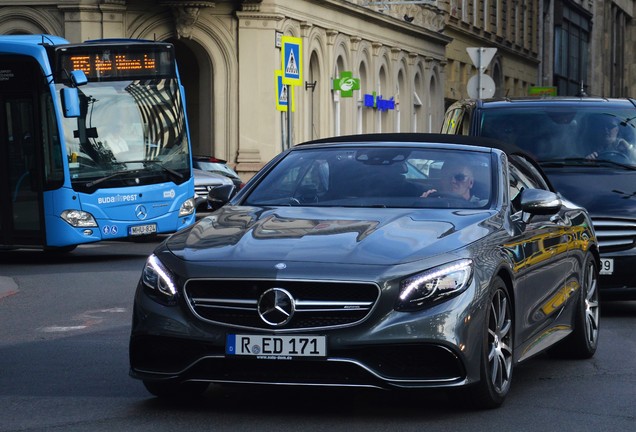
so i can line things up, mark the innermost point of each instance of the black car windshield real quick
(377, 177)
(560, 136)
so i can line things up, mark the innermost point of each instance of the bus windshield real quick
(129, 132)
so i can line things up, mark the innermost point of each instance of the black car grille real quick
(404, 365)
(615, 234)
(318, 304)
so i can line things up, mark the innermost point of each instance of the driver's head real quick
(457, 178)
(608, 128)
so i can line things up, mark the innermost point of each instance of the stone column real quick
(259, 123)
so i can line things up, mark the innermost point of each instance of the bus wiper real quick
(156, 163)
(108, 177)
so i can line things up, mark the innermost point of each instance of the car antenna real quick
(581, 92)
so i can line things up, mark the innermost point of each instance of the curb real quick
(7, 287)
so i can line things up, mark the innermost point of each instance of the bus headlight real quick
(79, 218)
(187, 208)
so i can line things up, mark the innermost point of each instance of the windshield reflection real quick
(571, 136)
(128, 127)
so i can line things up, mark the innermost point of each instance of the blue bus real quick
(94, 142)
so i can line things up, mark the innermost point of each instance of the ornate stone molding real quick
(305, 28)
(331, 36)
(412, 57)
(355, 42)
(375, 48)
(186, 14)
(251, 5)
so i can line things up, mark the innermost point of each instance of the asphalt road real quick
(64, 326)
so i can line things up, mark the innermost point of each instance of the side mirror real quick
(220, 195)
(70, 102)
(78, 78)
(539, 202)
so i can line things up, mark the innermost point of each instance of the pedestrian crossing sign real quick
(292, 60)
(284, 93)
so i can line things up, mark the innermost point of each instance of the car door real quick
(541, 256)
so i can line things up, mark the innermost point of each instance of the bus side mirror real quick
(70, 102)
(78, 78)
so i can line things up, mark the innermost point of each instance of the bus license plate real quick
(142, 229)
(276, 347)
(607, 266)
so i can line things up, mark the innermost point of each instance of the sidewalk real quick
(7, 286)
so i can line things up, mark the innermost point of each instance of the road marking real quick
(88, 319)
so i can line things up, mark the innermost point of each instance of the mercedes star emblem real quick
(276, 307)
(141, 212)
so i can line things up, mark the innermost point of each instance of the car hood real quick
(602, 191)
(328, 235)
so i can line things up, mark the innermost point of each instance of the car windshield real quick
(566, 135)
(127, 128)
(217, 167)
(377, 177)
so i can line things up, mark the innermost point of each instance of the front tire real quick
(582, 342)
(497, 351)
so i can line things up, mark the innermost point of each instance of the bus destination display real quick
(104, 64)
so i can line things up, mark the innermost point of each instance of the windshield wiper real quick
(567, 162)
(156, 163)
(108, 177)
(579, 161)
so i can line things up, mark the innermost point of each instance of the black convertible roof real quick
(412, 137)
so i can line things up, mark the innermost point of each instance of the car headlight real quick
(187, 208)
(158, 278)
(438, 283)
(78, 218)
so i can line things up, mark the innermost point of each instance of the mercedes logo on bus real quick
(276, 307)
(141, 212)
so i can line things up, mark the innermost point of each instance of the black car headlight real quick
(435, 284)
(159, 279)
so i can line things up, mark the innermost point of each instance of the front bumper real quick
(435, 347)
(621, 284)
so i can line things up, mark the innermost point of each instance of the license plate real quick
(142, 229)
(276, 347)
(607, 266)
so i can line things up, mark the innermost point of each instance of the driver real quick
(607, 136)
(457, 179)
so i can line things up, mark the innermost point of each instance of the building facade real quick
(407, 58)
(228, 52)
(512, 27)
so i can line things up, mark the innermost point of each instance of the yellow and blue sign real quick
(292, 60)
(284, 93)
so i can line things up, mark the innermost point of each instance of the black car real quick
(217, 166)
(587, 147)
(338, 265)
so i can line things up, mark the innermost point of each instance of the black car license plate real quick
(279, 347)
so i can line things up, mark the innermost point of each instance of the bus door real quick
(20, 185)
